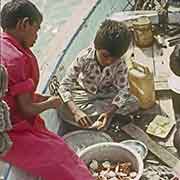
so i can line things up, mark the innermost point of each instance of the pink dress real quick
(35, 149)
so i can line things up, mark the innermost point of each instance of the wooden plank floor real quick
(157, 60)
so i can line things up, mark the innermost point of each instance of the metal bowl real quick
(114, 152)
(138, 146)
(79, 140)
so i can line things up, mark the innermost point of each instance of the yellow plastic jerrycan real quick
(141, 83)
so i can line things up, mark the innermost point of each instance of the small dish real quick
(138, 146)
(160, 126)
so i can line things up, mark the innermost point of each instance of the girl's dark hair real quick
(114, 37)
(16, 10)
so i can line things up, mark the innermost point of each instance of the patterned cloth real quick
(3, 80)
(5, 143)
(5, 123)
(93, 89)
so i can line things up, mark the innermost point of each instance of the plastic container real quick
(143, 32)
(141, 83)
(114, 152)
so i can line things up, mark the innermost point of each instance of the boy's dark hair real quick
(16, 10)
(114, 37)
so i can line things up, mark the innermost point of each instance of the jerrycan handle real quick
(140, 67)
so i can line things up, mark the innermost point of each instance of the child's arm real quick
(30, 108)
(40, 97)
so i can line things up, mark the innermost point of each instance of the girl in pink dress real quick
(34, 149)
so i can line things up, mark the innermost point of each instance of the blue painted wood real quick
(86, 33)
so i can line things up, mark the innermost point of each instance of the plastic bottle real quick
(141, 83)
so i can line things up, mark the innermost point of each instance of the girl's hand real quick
(40, 97)
(55, 101)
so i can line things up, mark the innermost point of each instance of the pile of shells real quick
(112, 171)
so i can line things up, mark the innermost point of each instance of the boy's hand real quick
(101, 121)
(82, 119)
